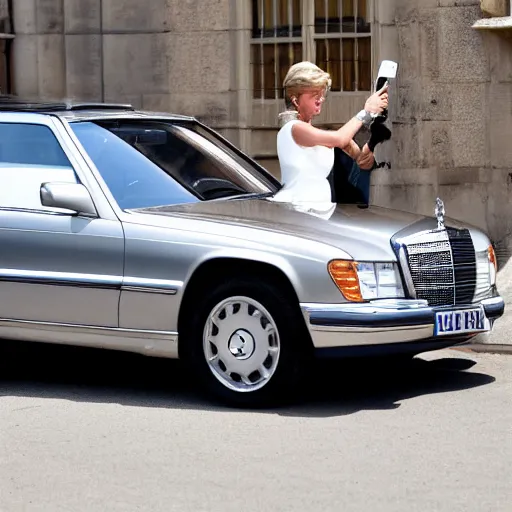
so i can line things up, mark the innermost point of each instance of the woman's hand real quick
(378, 101)
(366, 159)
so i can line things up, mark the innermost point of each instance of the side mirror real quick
(70, 196)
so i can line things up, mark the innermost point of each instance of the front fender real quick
(308, 277)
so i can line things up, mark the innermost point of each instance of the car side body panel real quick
(117, 280)
(164, 260)
(60, 268)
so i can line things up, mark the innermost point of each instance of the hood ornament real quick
(439, 213)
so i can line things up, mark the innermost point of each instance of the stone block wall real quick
(169, 55)
(5, 45)
(4, 16)
(453, 116)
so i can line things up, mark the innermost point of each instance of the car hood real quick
(359, 231)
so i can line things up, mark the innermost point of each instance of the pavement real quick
(491, 348)
(90, 430)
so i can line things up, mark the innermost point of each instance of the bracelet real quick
(365, 117)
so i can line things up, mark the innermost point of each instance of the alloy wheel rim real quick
(241, 344)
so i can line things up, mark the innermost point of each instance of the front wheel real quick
(245, 343)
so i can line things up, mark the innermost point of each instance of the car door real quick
(147, 163)
(55, 266)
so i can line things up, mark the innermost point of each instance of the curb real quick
(486, 348)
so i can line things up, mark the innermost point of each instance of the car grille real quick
(442, 266)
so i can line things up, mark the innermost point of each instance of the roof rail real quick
(13, 103)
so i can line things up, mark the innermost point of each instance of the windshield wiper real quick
(254, 195)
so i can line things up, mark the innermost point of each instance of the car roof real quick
(81, 111)
(73, 111)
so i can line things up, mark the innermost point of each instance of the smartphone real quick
(387, 71)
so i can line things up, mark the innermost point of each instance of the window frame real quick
(309, 39)
(49, 122)
(188, 124)
(213, 152)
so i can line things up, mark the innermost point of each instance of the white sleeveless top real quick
(304, 172)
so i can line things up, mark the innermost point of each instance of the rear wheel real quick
(245, 343)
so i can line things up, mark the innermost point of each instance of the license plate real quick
(460, 322)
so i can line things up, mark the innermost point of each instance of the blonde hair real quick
(303, 75)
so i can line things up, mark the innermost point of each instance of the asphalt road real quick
(96, 431)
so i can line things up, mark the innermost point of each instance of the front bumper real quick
(387, 322)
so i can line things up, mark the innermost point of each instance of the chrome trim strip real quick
(91, 280)
(493, 301)
(379, 317)
(351, 329)
(63, 278)
(58, 213)
(112, 330)
(142, 289)
(372, 305)
(404, 265)
(152, 285)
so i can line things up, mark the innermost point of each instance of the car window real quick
(152, 163)
(133, 180)
(202, 166)
(30, 155)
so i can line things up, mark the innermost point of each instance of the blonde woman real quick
(306, 153)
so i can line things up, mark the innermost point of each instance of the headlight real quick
(486, 270)
(361, 281)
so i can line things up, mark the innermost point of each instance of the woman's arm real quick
(363, 157)
(307, 135)
(352, 150)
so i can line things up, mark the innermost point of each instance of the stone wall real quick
(453, 116)
(169, 55)
(5, 45)
(4, 16)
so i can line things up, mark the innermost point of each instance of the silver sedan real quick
(151, 233)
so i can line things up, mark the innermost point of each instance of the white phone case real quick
(388, 70)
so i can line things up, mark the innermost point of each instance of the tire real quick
(255, 339)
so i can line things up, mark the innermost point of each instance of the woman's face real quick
(310, 102)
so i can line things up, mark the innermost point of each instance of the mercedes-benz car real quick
(149, 232)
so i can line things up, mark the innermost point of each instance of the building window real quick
(335, 34)
(6, 38)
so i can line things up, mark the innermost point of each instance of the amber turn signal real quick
(492, 257)
(344, 274)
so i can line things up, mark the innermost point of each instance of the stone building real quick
(224, 60)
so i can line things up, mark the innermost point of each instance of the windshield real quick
(154, 163)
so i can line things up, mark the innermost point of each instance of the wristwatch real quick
(366, 117)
